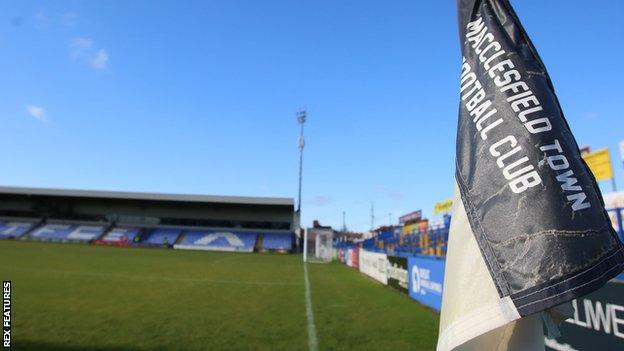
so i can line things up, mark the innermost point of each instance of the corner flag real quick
(529, 231)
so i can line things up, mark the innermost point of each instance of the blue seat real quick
(162, 236)
(121, 235)
(63, 232)
(275, 241)
(218, 240)
(14, 229)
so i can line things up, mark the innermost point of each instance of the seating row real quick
(178, 238)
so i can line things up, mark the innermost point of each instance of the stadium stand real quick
(428, 239)
(224, 223)
(119, 236)
(67, 232)
(161, 237)
(275, 241)
(10, 229)
(218, 240)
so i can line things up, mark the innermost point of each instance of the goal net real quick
(318, 245)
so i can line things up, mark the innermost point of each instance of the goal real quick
(318, 245)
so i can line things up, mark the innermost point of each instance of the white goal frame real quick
(318, 245)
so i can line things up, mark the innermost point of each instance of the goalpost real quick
(318, 245)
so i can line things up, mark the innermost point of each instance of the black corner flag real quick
(528, 216)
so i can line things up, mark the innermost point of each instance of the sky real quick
(200, 97)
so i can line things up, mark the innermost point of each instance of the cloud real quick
(390, 193)
(69, 19)
(85, 50)
(55, 20)
(100, 60)
(319, 200)
(37, 112)
(79, 44)
(591, 115)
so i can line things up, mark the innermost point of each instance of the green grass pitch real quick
(74, 297)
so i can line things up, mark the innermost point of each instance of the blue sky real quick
(200, 97)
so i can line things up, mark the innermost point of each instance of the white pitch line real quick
(312, 339)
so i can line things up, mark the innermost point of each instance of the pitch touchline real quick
(312, 340)
(113, 275)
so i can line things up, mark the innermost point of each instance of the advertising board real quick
(397, 273)
(613, 201)
(597, 324)
(426, 277)
(443, 206)
(373, 264)
(355, 257)
(341, 255)
(599, 162)
(412, 216)
(409, 229)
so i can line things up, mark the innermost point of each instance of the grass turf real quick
(71, 296)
